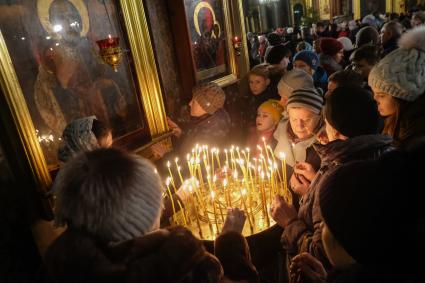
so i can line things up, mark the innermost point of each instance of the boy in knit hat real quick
(261, 90)
(398, 84)
(268, 116)
(332, 54)
(210, 122)
(308, 61)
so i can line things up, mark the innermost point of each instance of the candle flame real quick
(281, 155)
(168, 164)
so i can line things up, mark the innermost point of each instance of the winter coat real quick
(329, 64)
(389, 46)
(302, 151)
(77, 256)
(209, 129)
(304, 234)
(320, 79)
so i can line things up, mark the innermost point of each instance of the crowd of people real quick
(346, 104)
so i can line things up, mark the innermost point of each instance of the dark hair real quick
(100, 129)
(347, 78)
(274, 39)
(368, 52)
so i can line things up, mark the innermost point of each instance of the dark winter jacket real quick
(389, 46)
(329, 64)
(209, 129)
(304, 234)
(77, 256)
(320, 79)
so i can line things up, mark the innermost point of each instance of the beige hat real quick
(293, 80)
(402, 72)
(210, 96)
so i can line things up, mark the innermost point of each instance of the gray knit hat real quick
(308, 98)
(293, 80)
(113, 195)
(402, 72)
(210, 96)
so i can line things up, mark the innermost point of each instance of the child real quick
(268, 116)
(259, 85)
(210, 122)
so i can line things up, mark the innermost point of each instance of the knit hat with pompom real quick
(401, 73)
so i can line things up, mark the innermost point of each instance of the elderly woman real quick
(295, 136)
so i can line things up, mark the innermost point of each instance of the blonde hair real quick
(262, 70)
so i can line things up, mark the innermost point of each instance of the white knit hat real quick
(293, 80)
(113, 195)
(402, 72)
(346, 42)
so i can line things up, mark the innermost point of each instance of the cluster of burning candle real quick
(243, 182)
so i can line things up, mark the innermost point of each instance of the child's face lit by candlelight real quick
(264, 121)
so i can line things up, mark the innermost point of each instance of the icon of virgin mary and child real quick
(71, 81)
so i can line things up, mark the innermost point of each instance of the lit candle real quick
(214, 210)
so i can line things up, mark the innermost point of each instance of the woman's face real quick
(264, 121)
(339, 56)
(195, 109)
(284, 63)
(337, 255)
(387, 105)
(258, 84)
(303, 122)
(414, 22)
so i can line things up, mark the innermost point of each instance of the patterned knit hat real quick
(401, 73)
(308, 57)
(330, 46)
(273, 107)
(111, 194)
(77, 137)
(210, 96)
(306, 98)
(294, 79)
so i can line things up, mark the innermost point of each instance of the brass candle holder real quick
(242, 182)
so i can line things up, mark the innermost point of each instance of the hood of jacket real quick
(360, 147)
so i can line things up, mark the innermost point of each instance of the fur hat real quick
(308, 57)
(401, 73)
(210, 96)
(273, 107)
(352, 111)
(330, 46)
(294, 79)
(111, 194)
(306, 98)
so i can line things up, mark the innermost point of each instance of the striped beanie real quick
(113, 195)
(308, 98)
